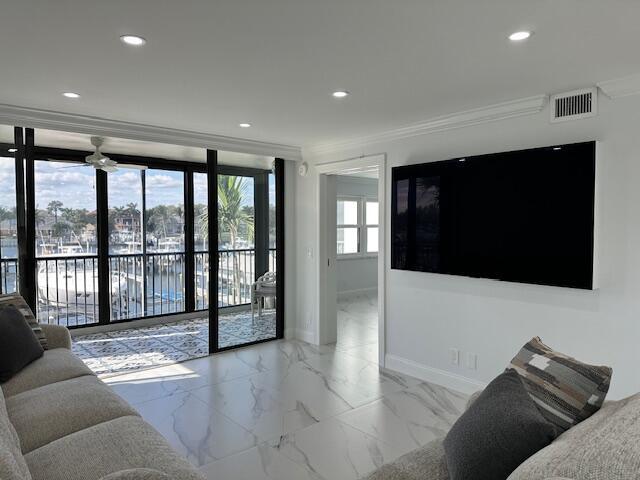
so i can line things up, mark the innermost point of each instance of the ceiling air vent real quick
(574, 105)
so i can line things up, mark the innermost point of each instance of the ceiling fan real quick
(100, 161)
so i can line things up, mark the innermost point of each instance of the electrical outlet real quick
(471, 361)
(454, 356)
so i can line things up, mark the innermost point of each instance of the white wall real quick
(290, 174)
(361, 273)
(426, 314)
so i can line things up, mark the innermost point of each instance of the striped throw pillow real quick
(565, 390)
(18, 302)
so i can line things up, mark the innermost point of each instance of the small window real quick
(357, 224)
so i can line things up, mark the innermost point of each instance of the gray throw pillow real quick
(16, 300)
(19, 346)
(498, 432)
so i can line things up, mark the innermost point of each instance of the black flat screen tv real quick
(524, 216)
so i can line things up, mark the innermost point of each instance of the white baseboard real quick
(305, 335)
(433, 375)
(351, 293)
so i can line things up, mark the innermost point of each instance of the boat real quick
(64, 283)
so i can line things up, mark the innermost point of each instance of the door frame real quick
(326, 311)
(261, 219)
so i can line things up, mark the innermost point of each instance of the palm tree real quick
(232, 217)
(53, 208)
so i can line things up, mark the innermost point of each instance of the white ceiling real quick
(210, 65)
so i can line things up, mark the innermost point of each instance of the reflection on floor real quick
(358, 325)
(288, 410)
(116, 352)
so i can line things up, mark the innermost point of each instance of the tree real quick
(232, 218)
(5, 214)
(53, 208)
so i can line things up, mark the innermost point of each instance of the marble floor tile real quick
(195, 430)
(280, 355)
(367, 352)
(335, 450)
(358, 381)
(319, 393)
(409, 418)
(262, 411)
(259, 463)
(219, 368)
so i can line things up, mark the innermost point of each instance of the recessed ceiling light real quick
(12, 150)
(244, 125)
(519, 36)
(71, 95)
(134, 40)
(340, 93)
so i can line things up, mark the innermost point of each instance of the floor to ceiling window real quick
(165, 241)
(201, 240)
(126, 260)
(8, 222)
(66, 243)
(101, 247)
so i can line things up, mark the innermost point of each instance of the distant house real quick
(126, 223)
(88, 233)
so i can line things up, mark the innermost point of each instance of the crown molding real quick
(67, 122)
(476, 116)
(621, 87)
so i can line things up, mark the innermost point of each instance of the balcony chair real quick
(263, 288)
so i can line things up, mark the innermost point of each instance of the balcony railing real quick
(9, 275)
(67, 290)
(141, 285)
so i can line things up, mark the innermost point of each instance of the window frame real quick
(361, 226)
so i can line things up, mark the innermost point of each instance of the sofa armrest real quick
(137, 474)
(427, 462)
(57, 336)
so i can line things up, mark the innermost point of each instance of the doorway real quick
(248, 302)
(352, 256)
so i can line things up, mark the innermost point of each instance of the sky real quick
(74, 186)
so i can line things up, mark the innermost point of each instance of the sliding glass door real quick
(247, 303)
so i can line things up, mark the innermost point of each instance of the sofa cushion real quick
(19, 346)
(12, 463)
(566, 390)
(137, 474)
(16, 300)
(120, 444)
(499, 431)
(55, 365)
(424, 463)
(46, 413)
(604, 447)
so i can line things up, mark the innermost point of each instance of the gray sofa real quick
(58, 421)
(606, 446)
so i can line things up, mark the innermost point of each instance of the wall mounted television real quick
(525, 216)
